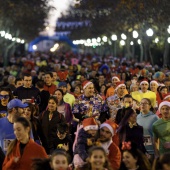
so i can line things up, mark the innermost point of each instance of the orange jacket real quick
(32, 150)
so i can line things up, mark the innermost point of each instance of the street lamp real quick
(149, 32)
(131, 43)
(168, 40)
(114, 37)
(122, 42)
(135, 34)
(123, 36)
(104, 39)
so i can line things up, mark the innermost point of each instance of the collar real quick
(131, 125)
(106, 145)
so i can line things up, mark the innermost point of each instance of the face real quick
(114, 81)
(58, 94)
(144, 106)
(48, 79)
(134, 88)
(144, 87)
(64, 89)
(127, 102)
(61, 135)
(164, 91)
(89, 90)
(105, 134)
(101, 79)
(52, 105)
(97, 159)
(165, 111)
(92, 132)
(4, 96)
(21, 132)
(18, 84)
(77, 90)
(102, 89)
(153, 87)
(129, 161)
(132, 118)
(54, 76)
(27, 81)
(27, 113)
(121, 91)
(59, 162)
(82, 78)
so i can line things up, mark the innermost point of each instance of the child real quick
(97, 160)
(59, 160)
(86, 138)
(63, 139)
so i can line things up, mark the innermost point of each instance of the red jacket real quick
(51, 89)
(32, 150)
(114, 156)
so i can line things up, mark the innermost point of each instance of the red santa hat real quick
(119, 84)
(90, 124)
(115, 77)
(86, 83)
(154, 82)
(167, 97)
(164, 103)
(144, 81)
(110, 125)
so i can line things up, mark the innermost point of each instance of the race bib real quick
(147, 140)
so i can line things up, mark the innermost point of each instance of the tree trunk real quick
(166, 52)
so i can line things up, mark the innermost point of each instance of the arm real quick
(156, 146)
(9, 163)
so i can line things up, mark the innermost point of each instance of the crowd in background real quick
(74, 111)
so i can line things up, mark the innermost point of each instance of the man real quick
(161, 129)
(27, 91)
(18, 82)
(49, 86)
(107, 131)
(68, 98)
(89, 104)
(55, 82)
(100, 82)
(15, 109)
(11, 81)
(144, 93)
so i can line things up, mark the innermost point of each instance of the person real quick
(49, 86)
(29, 113)
(63, 107)
(161, 128)
(49, 120)
(68, 98)
(77, 91)
(146, 118)
(18, 82)
(129, 130)
(133, 158)
(162, 163)
(59, 160)
(107, 131)
(11, 81)
(22, 150)
(97, 159)
(85, 139)
(27, 91)
(2, 157)
(144, 93)
(44, 96)
(14, 109)
(63, 139)
(5, 96)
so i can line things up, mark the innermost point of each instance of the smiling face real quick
(144, 87)
(59, 162)
(27, 113)
(21, 133)
(97, 160)
(153, 87)
(165, 111)
(129, 161)
(52, 105)
(89, 90)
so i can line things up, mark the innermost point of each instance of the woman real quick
(62, 107)
(146, 118)
(49, 120)
(133, 158)
(103, 91)
(162, 91)
(23, 149)
(77, 91)
(129, 130)
(29, 113)
(5, 96)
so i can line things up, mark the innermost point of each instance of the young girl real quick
(97, 160)
(57, 161)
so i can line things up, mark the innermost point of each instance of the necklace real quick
(135, 168)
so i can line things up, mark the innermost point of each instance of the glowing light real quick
(131, 43)
(34, 47)
(135, 34)
(123, 36)
(139, 41)
(114, 37)
(104, 39)
(149, 32)
(122, 42)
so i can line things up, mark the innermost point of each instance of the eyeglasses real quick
(4, 96)
(144, 103)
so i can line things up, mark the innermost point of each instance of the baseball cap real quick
(16, 103)
(62, 84)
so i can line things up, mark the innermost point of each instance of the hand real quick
(16, 159)
(148, 156)
(166, 145)
(65, 147)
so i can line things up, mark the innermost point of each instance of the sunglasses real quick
(4, 96)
